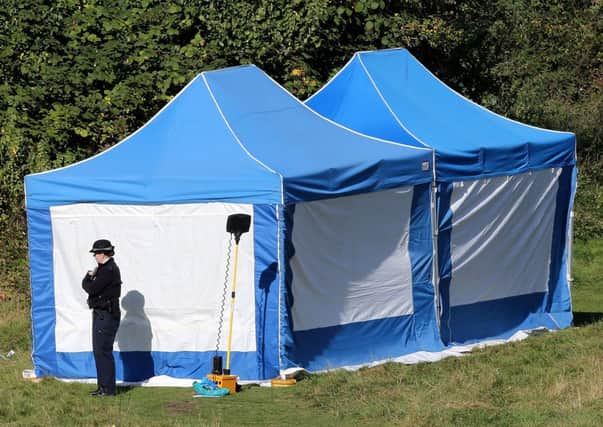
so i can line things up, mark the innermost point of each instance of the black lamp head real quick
(238, 224)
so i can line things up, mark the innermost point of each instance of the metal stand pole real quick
(232, 306)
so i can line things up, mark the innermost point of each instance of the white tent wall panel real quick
(351, 261)
(172, 260)
(502, 231)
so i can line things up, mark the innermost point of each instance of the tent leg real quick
(435, 264)
(570, 249)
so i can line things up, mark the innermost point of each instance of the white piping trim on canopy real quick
(435, 247)
(484, 108)
(211, 93)
(123, 140)
(330, 80)
(341, 70)
(394, 115)
(339, 125)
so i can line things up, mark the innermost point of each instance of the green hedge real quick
(79, 75)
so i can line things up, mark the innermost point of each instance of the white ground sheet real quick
(172, 260)
(501, 236)
(409, 359)
(351, 260)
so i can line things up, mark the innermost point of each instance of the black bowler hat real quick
(102, 245)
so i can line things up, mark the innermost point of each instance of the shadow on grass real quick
(586, 318)
(125, 389)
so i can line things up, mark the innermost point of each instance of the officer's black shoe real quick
(96, 392)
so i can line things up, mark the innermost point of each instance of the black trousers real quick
(104, 328)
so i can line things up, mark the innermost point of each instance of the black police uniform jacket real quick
(104, 287)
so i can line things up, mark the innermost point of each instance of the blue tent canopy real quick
(233, 135)
(408, 103)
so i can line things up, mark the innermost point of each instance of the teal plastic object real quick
(209, 388)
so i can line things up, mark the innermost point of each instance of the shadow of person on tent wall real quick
(267, 280)
(135, 339)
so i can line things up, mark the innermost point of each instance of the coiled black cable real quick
(223, 304)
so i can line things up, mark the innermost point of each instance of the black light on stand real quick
(237, 225)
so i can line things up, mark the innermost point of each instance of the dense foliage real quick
(79, 75)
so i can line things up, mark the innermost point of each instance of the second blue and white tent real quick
(504, 194)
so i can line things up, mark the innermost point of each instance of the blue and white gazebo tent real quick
(504, 193)
(335, 271)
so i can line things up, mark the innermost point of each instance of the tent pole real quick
(570, 249)
(435, 274)
(435, 263)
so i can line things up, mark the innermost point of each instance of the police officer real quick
(103, 285)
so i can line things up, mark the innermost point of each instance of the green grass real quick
(587, 292)
(549, 379)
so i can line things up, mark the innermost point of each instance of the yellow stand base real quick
(225, 381)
